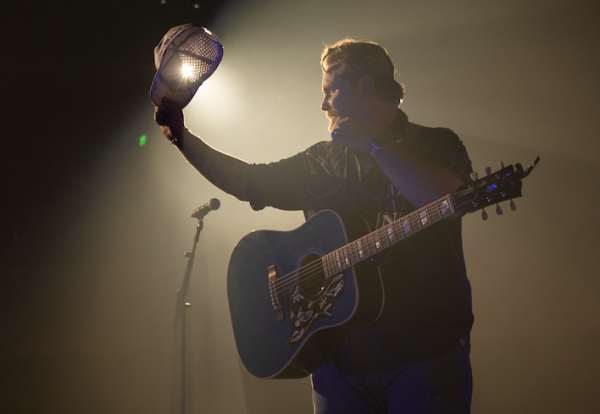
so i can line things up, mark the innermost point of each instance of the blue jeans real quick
(440, 384)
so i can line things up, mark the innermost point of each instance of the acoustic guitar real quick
(294, 294)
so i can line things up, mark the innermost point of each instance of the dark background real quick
(93, 225)
(76, 73)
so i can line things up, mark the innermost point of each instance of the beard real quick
(333, 116)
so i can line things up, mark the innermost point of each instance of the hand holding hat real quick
(185, 57)
(170, 119)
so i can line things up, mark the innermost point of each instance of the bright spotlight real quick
(187, 70)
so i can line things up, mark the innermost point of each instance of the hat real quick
(185, 57)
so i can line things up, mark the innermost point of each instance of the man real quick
(414, 358)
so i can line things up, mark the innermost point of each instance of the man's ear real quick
(367, 86)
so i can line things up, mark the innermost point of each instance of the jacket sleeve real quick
(280, 184)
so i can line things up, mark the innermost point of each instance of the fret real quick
(407, 226)
(445, 206)
(441, 206)
(347, 254)
(434, 213)
(369, 247)
(359, 248)
(360, 251)
(326, 267)
(355, 257)
(338, 262)
(382, 237)
(330, 265)
(414, 220)
(352, 254)
(391, 235)
(430, 212)
(364, 242)
(368, 243)
(398, 230)
(386, 236)
(346, 258)
(376, 240)
(424, 219)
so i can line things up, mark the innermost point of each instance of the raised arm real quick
(420, 181)
(224, 171)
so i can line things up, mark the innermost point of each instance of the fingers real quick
(170, 105)
(170, 118)
(352, 133)
(160, 116)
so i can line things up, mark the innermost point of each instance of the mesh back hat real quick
(185, 57)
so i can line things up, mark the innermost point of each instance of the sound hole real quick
(311, 275)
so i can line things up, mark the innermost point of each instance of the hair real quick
(362, 57)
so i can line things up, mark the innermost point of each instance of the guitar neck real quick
(388, 235)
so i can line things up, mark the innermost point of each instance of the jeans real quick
(441, 384)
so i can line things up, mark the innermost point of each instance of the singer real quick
(415, 357)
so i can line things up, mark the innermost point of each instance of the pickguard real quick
(303, 310)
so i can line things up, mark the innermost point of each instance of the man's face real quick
(340, 99)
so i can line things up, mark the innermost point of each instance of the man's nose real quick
(325, 105)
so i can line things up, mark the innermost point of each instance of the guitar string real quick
(415, 225)
(319, 265)
(315, 270)
(415, 221)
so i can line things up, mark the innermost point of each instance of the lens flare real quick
(187, 70)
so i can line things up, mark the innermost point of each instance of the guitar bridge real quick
(274, 295)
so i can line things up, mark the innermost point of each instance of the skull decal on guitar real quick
(304, 311)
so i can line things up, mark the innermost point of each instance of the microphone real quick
(202, 211)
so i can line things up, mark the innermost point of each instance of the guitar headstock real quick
(503, 185)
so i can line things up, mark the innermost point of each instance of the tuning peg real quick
(499, 210)
(483, 215)
(488, 170)
(501, 164)
(474, 176)
(512, 206)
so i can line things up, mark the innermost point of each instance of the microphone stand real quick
(180, 313)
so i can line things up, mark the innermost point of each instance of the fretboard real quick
(386, 236)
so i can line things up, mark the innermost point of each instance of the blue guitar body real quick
(285, 326)
(293, 295)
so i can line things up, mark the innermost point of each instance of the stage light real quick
(188, 71)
